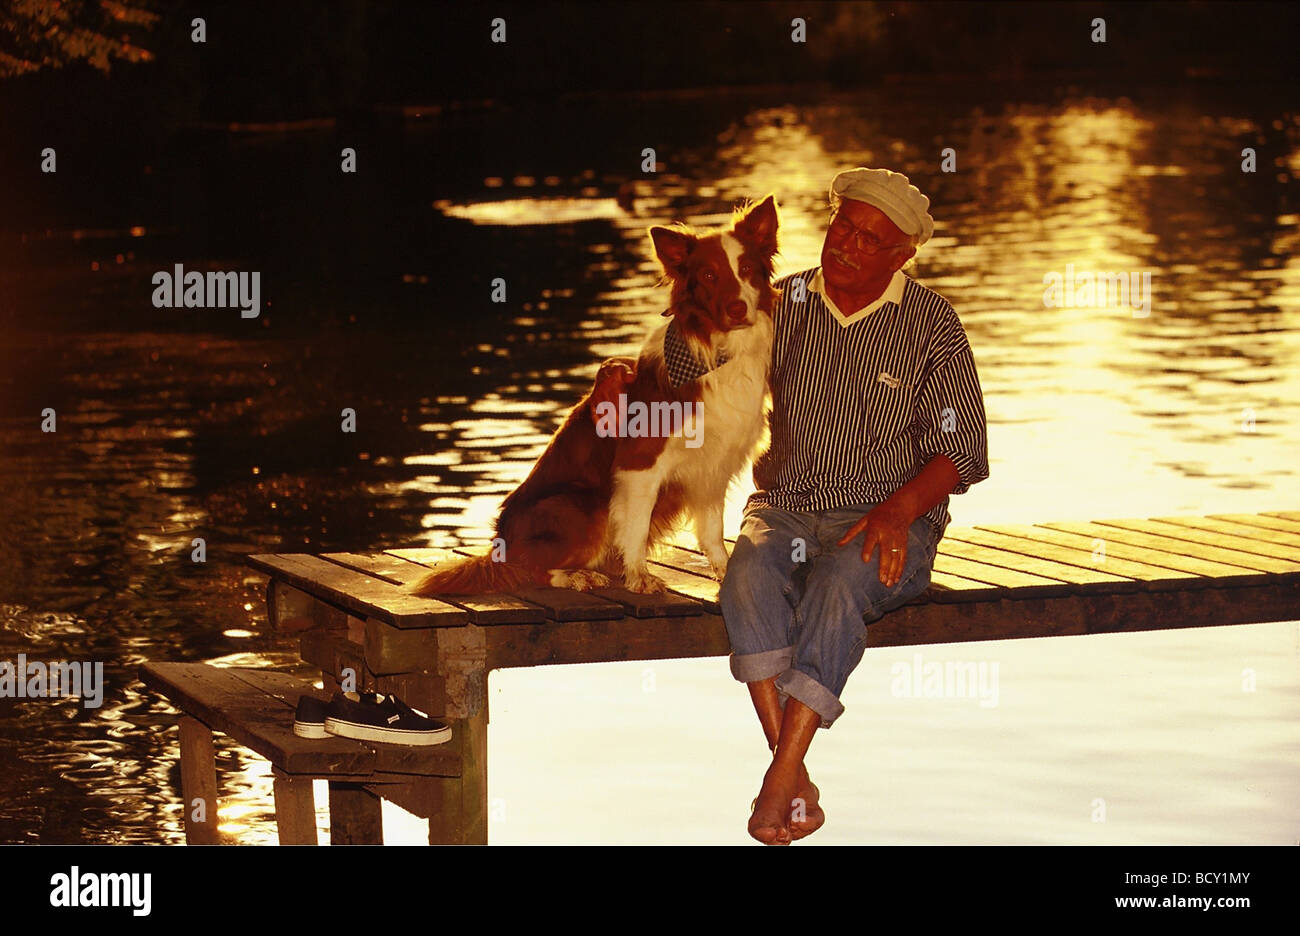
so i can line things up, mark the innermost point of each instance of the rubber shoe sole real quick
(362, 732)
(313, 730)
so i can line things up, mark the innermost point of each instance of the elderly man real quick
(877, 417)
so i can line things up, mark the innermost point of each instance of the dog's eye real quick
(707, 275)
(747, 270)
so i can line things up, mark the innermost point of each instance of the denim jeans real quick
(805, 622)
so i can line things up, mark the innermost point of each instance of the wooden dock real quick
(989, 583)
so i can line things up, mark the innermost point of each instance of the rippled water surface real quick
(177, 424)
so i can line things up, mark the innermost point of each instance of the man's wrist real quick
(906, 502)
(928, 488)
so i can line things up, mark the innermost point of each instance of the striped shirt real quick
(861, 404)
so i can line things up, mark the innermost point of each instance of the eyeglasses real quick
(864, 240)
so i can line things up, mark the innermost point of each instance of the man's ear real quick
(911, 252)
(672, 247)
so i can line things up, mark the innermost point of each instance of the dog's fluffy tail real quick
(471, 575)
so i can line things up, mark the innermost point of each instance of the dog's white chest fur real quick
(730, 413)
(729, 424)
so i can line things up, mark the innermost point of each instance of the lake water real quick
(176, 424)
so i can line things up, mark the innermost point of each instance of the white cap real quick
(891, 192)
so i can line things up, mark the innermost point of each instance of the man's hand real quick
(886, 527)
(614, 377)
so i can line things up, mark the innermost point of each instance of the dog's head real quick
(722, 280)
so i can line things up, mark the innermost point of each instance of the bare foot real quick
(806, 816)
(769, 822)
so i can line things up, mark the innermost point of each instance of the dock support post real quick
(295, 809)
(356, 815)
(459, 813)
(459, 804)
(198, 783)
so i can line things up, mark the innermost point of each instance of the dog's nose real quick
(737, 310)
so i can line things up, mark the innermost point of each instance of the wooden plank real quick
(295, 809)
(291, 610)
(356, 815)
(559, 604)
(1262, 520)
(1271, 598)
(1016, 584)
(1083, 579)
(947, 588)
(641, 606)
(486, 608)
(1263, 557)
(198, 783)
(392, 650)
(626, 638)
(360, 594)
(687, 573)
(253, 707)
(686, 560)
(1160, 549)
(281, 687)
(500, 608)
(424, 691)
(665, 604)
(567, 604)
(1143, 576)
(1240, 530)
(334, 653)
(379, 565)
(689, 585)
(1284, 514)
(1209, 574)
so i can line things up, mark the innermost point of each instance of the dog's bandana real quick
(682, 363)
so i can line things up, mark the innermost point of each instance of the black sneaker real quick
(309, 719)
(382, 718)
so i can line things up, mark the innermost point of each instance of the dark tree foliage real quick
(36, 34)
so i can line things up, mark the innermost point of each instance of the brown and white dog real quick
(606, 490)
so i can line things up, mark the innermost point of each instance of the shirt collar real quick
(893, 293)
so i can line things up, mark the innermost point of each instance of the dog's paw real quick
(579, 579)
(719, 568)
(644, 584)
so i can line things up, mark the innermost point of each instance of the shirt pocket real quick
(887, 406)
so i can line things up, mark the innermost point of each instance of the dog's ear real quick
(759, 226)
(672, 247)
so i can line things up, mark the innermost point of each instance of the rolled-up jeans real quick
(797, 606)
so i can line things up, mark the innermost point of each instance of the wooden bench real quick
(990, 582)
(256, 708)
